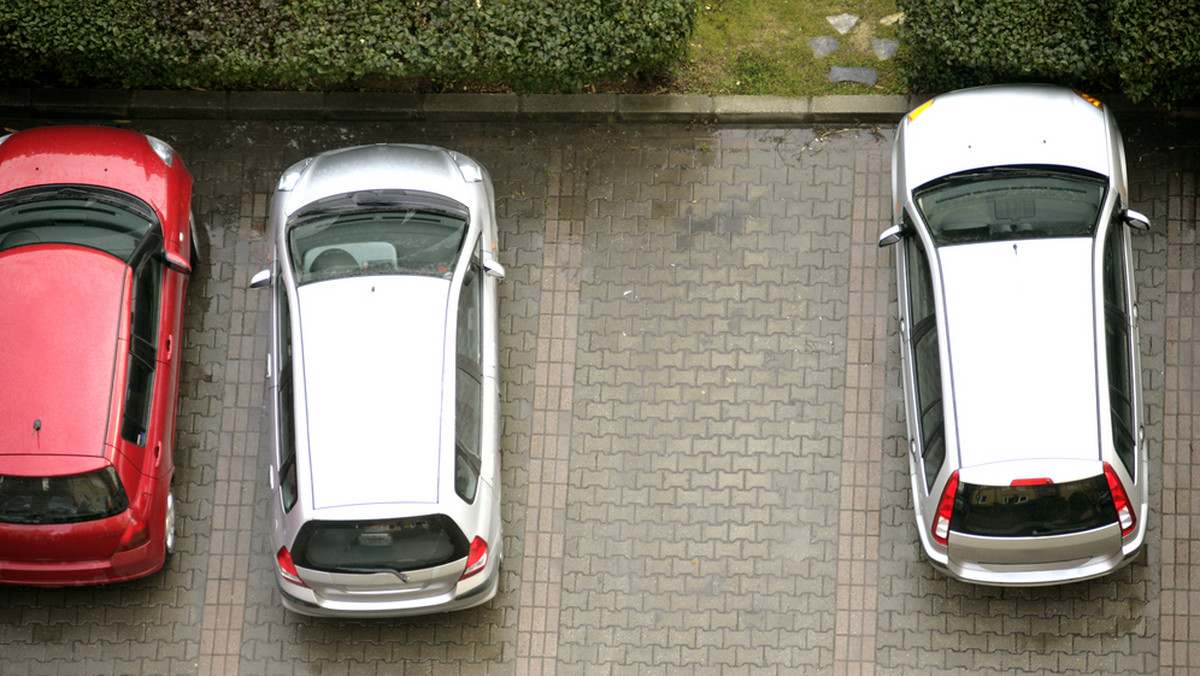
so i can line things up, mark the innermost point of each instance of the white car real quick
(385, 468)
(1019, 335)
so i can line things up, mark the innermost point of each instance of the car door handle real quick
(170, 346)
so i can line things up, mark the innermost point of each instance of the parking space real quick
(703, 460)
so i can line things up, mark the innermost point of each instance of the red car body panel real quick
(105, 156)
(63, 369)
(65, 352)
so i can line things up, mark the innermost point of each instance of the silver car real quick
(1019, 335)
(385, 467)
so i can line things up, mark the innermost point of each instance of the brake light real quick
(287, 568)
(1031, 482)
(135, 535)
(477, 558)
(941, 519)
(1120, 501)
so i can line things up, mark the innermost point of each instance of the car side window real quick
(1119, 360)
(469, 384)
(286, 402)
(143, 346)
(926, 360)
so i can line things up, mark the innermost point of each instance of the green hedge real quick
(524, 45)
(1148, 50)
(1158, 54)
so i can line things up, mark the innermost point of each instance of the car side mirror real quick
(260, 279)
(493, 268)
(176, 263)
(891, 236)
(1136, 220)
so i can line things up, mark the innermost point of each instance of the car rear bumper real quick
(305, 601)
(1038, 575)
(130, 565)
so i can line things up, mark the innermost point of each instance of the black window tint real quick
(926, 360)
(361, 547)
(62, 499)
(100, 218)
(1119, 360)
(920, 281)
(1037, 509)
(143, 350)
(1002, 203)
(286, 403)
(468, 414)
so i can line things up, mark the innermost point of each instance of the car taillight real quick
(941, 519)
(477, 558)
(135, 535)
(287, 568)
(1120, 501)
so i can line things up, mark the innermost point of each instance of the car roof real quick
(1005, 125)
(383, 166)
(1021, 342)
(62, 307)
(373, 351)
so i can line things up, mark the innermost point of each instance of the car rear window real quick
(1035, 509)
(62, 499)
(396, 544)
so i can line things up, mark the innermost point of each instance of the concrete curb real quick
(83, 104)
(121, 104)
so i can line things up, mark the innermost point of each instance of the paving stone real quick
(824, 45)
(853, 74)
(843, 22)
(884, 48)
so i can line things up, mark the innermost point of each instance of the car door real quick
(147, 417)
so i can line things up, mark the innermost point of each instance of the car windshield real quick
(94, 217)
(376, 233)
(1003, 203)
(61, 499)
(399, 545)
(1026, 510)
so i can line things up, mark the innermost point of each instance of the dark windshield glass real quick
(400, 545)
(1039, 509)
(1011, 203)
(98, 218)
(375, 233)
(61, 499)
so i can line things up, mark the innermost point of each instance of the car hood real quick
(380, 167)
(1001, 126)
(373, 350)
(1022, 347)
(58, 341)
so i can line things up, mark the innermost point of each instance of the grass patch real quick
(761, 47)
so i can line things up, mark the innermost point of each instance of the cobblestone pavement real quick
(703, 468)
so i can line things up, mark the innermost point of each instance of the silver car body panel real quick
(999, 126)
(1022, 349)
(373, 370)
(1022, 125)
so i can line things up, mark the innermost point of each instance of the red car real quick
(95, 254)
